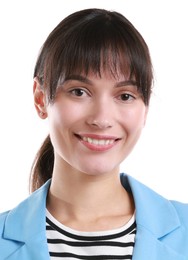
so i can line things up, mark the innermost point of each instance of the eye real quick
(78, 92)
(126, 97)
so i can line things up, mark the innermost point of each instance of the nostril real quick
(103, 123)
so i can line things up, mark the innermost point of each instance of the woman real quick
(93, 81)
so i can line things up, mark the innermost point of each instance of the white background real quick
(160, 159)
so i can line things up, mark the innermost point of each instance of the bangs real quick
(97, 43)
(94, 57)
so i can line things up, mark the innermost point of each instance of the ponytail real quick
(42, 166)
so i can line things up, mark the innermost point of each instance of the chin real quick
(100, 171)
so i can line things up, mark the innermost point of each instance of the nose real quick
(101, 124)
(101, 116)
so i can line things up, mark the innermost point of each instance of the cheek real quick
(56, 119)
(59, 121)
(64, 115)
(134, 119)
(140, 117)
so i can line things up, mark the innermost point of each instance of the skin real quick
(94, 123)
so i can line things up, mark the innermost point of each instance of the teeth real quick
(97, 142)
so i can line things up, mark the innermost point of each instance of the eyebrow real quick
(126, 83)
(78, 78)
(88, 81)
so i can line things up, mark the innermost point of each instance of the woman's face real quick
(95, 122)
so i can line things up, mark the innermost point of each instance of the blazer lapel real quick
(147, 246)
(25, 235)
(156, 219)
(36, 248)
(25, 228)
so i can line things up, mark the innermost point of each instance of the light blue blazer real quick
(162, 226)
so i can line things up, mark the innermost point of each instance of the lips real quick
(98, 142)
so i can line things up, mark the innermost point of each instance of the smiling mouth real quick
(98, 142)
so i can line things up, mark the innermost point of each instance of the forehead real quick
(102, 81)
(107, 74)
(97, 76)
(106, 71)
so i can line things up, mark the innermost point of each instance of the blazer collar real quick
(25, 228)
(28, 219)
(155, 217)
(153, 211)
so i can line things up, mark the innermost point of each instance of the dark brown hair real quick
(88, 40)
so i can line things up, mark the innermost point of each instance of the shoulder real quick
(3, 216)
(179, 238)
(6, 246)
(22, 224)
(152, 207)
(31, 207)
(27, 207)
(182, 211)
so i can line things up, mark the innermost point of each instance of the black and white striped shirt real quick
(66, 243)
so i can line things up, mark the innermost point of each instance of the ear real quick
(39, 99)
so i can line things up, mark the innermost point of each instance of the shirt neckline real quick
(91, 233)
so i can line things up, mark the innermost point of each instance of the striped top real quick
(66, 243)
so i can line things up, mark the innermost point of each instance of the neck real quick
(77, 197)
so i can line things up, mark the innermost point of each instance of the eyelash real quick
(126, 97)
(79, 92)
